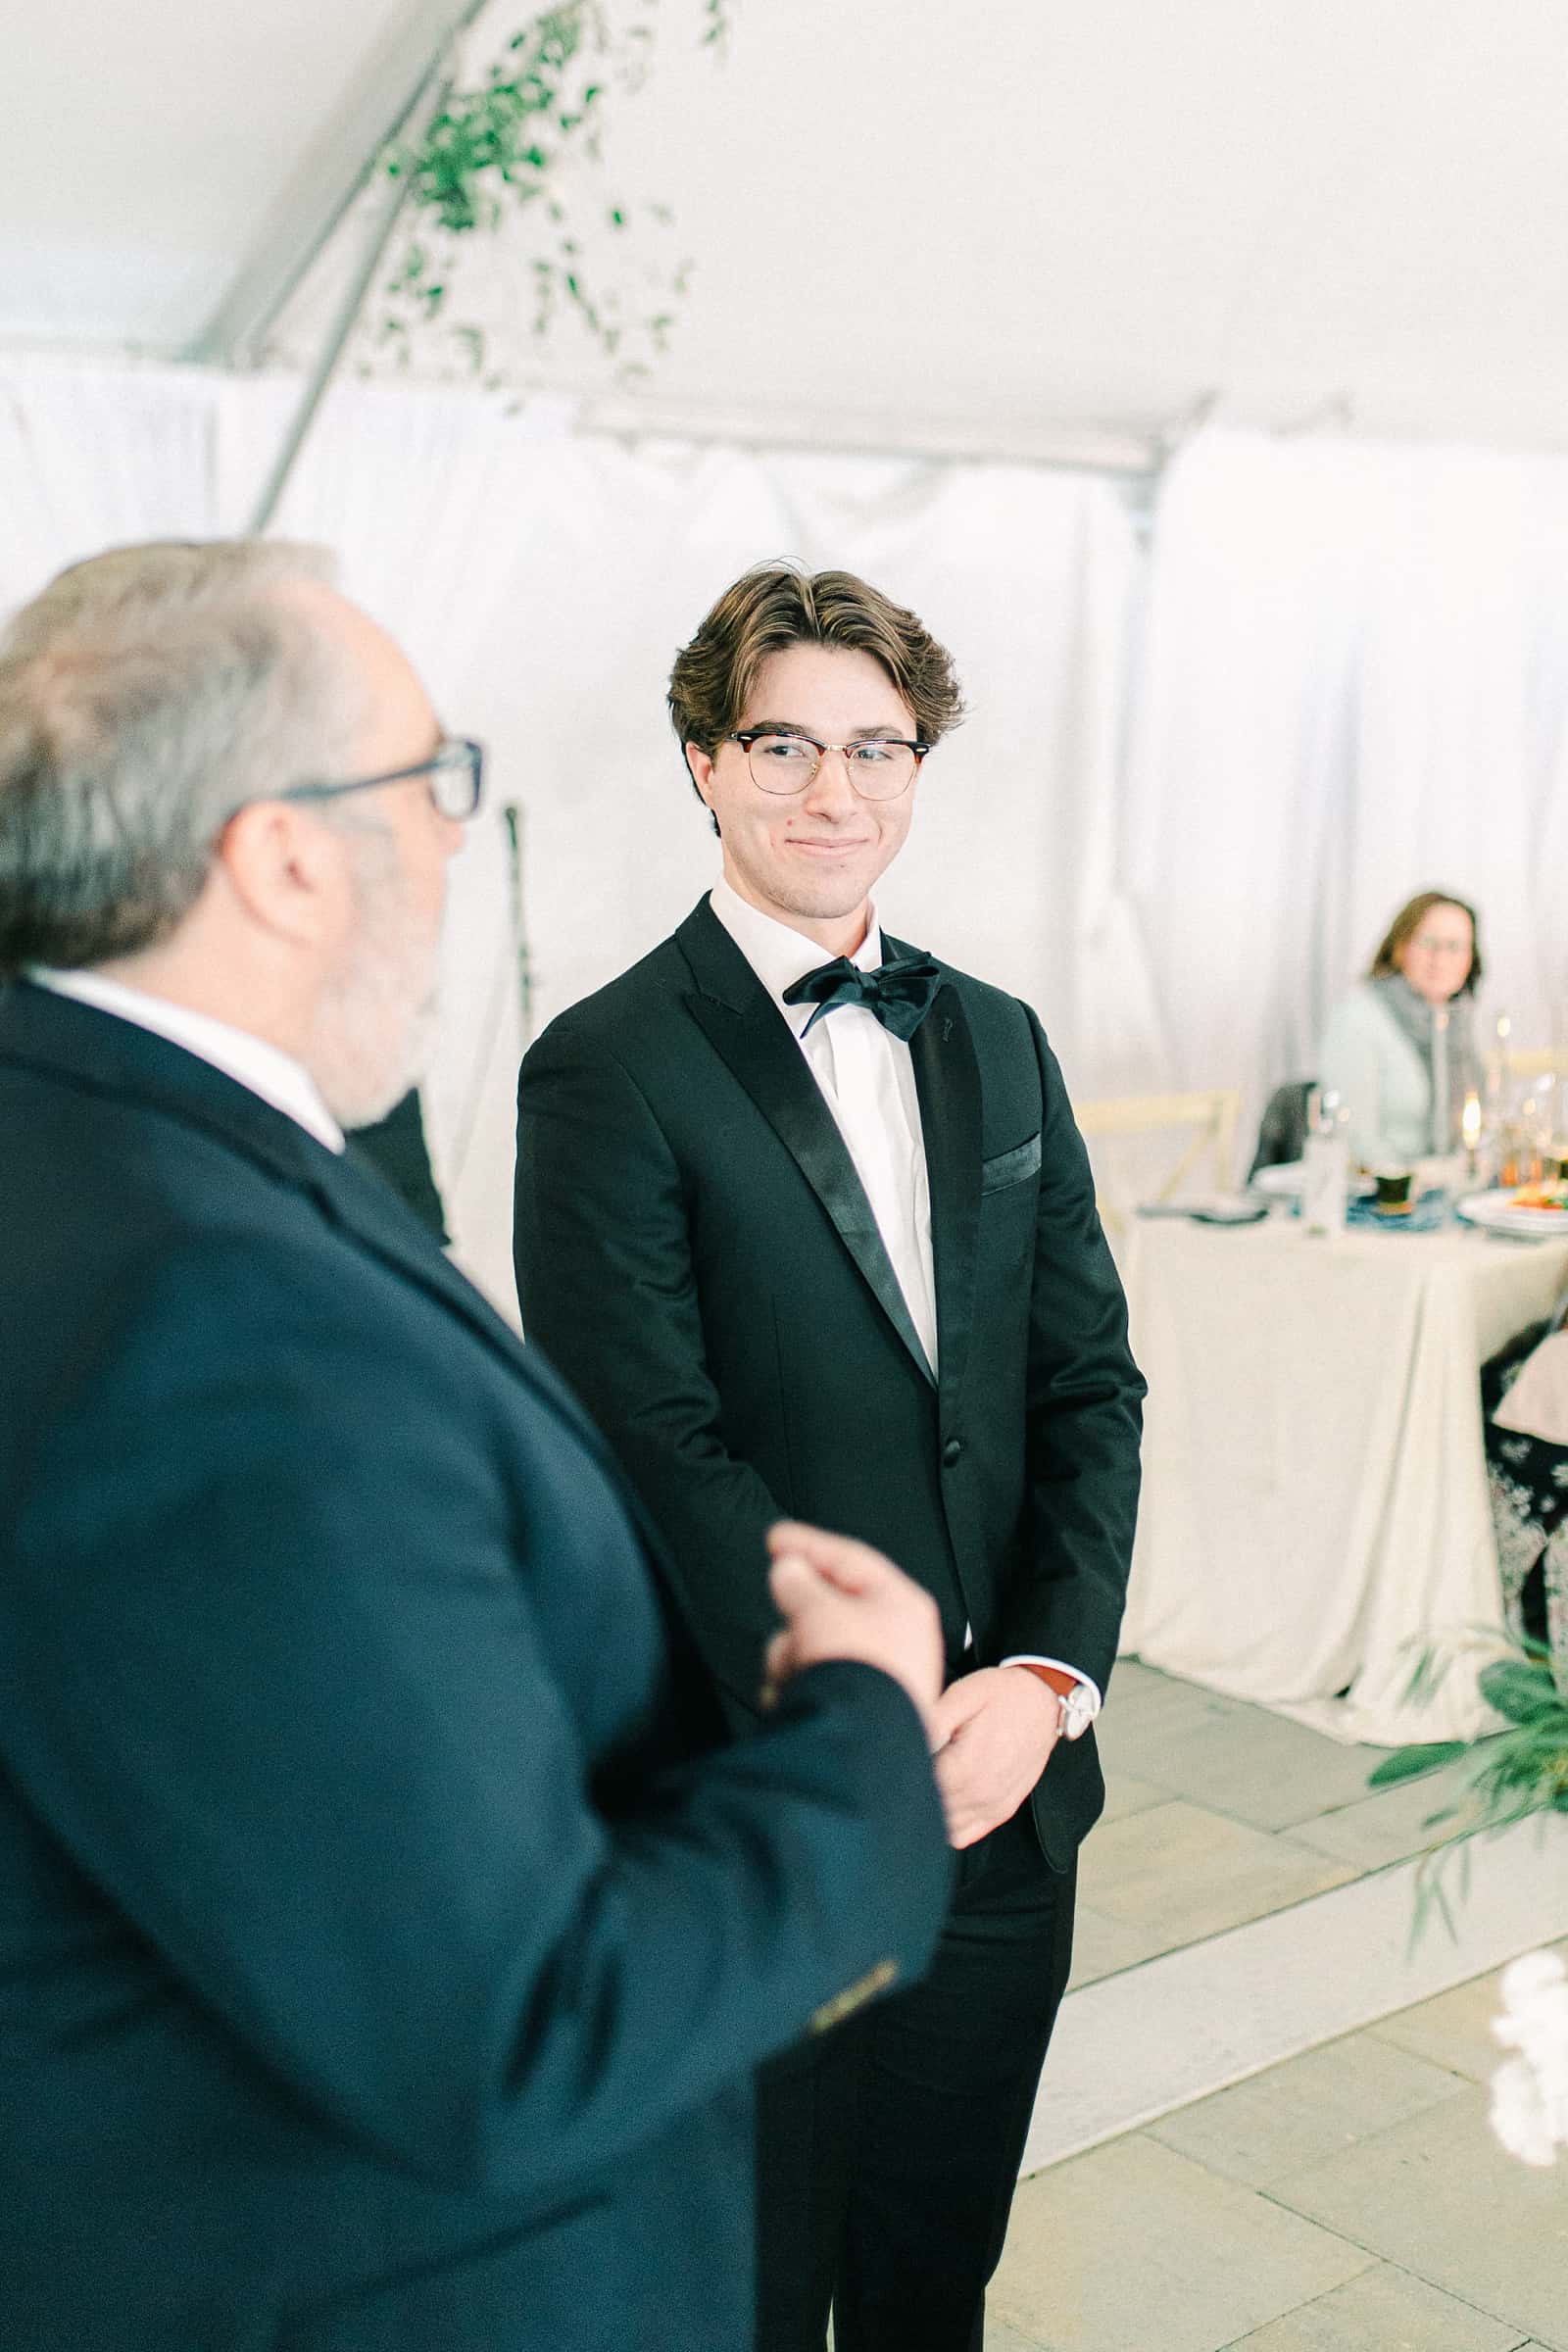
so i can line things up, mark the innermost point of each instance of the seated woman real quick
(1377, 1050)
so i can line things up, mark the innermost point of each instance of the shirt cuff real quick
(1029, 1658)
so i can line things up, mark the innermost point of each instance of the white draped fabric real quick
(1314, 1485)
(1342, 673)
(1352, 684)
(541, 582)
(93, 457)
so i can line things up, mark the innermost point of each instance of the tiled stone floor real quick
(1351, 2199)
(1219, 1813)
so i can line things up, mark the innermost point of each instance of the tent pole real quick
(332, 175)
(344, 320)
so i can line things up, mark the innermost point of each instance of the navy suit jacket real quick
(385, 1934)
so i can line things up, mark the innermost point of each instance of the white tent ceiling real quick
(912, 220)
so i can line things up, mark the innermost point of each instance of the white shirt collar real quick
(266, 1069)
(780, 955)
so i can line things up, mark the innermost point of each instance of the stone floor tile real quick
(1439, 2196)
(1385, 2310)
(1131, 2248)
(1260, 1768)
(1185, 1873)
(1125, 1796)
(1136, 1726)
(1000, 2337)
(1388, 1826)
(1310, 2108)
(1133, 1679)
(1454, 2029)
(1103, 1947)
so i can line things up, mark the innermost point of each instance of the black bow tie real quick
(898, 992)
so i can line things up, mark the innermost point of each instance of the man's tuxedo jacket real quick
(698, 1255)
(382, 1935)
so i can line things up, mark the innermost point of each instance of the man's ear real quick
(700, 768)
(288, 870)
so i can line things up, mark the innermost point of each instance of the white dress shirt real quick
(868, 1081)
(866, 1076)
(265, 1069)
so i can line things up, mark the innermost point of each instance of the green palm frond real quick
(1501, 1778)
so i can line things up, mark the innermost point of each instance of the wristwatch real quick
(1076, 1705)
(1077, 1711)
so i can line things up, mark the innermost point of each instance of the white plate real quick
(1285, 1180)
(1495, 1212)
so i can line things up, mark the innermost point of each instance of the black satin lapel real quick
(947, 1079)
(715, 962)
(761, 1050)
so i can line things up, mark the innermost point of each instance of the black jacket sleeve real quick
(607, 1287)
(1084, 1412)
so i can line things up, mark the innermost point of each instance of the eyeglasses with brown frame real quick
(879, 767)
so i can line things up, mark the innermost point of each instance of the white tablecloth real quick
(1314, 1485)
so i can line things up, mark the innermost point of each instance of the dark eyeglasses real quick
(453, 777)
(879, 767)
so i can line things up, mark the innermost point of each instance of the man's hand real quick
(841, 1600)
(992, 1733)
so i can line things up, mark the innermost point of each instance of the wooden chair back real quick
(1207, 1122)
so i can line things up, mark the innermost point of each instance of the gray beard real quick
(377, 1020)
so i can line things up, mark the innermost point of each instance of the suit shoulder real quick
(626, 1009)
(992, 1009)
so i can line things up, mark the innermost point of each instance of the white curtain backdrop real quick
(1345, 666)
(93, 457)
(1352, 684)
(542, 583)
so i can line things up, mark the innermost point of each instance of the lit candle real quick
(1470, 1121)
(1496, 1072)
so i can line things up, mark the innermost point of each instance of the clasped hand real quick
(989, 1733)
(993, 1731)
(842, 1600)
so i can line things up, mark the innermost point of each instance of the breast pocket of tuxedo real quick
(1009, 1194)
(1012, 1167)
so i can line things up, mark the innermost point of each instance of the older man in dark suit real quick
(821, 1235)
(386, 1934)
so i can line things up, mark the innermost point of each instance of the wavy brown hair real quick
(1407, 922)
(778, 605)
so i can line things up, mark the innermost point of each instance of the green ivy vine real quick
(512, 145)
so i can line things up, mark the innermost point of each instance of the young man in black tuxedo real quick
(804, 1217)
(388, 1933)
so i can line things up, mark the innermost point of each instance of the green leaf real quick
(1414, 1763)
(535, 109)
(1523, 1692)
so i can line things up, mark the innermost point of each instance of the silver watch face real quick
(1077, 1713)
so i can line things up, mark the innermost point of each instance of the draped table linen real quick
(1315, 1493)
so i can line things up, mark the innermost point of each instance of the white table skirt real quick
(1314, 1485)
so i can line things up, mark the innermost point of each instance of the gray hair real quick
(145, 695)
